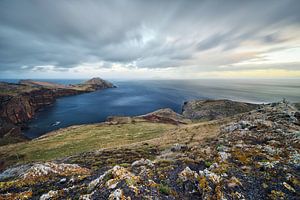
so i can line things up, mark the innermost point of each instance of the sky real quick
(157, 39)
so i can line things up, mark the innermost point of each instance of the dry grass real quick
(78, 139)
(85, 138)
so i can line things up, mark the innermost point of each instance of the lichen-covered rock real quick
(188, 174)
(50, 195)
(49, 168)
(142, 162)
(98, 180)
(20, 196)
(118, 195)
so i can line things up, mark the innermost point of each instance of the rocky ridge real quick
(256, 155)
(214, 109)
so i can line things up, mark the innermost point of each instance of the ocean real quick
(139, 97)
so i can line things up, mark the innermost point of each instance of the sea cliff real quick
(20, 102)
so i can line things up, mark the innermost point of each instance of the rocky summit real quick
(251, 155)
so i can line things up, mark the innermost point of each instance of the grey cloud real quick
(154, 34)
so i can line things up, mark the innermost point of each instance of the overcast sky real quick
(149, 39)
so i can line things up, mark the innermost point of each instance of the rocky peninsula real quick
(19, 102)
(251, 153)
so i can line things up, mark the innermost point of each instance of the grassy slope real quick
(78, 139)
(14, 90)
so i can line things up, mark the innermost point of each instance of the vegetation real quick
(13, 90)
(164, 189)
(78, 139)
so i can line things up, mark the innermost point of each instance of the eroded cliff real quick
(19, 102)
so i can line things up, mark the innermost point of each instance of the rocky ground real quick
(254, 155)
(19, 102)
(214, 109)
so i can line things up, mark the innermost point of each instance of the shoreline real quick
(20, 102)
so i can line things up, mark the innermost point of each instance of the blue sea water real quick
(139, 97)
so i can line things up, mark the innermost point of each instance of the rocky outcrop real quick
(20, 102)
(214, 109)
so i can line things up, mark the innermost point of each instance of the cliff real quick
(19, 102)
(252, 155)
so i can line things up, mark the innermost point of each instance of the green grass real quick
(14, 90)
(164, 189)
(78, 139)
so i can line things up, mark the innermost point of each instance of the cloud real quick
(197, 35)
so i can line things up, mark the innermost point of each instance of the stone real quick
(234, 182)
(50, 195)
(287, 186)
(48, 168)
(63, 180)
(224, 156)
(179, 147)
(210, 176)
(93, 184)
(188, 174)
(117, 195)
(142, 162)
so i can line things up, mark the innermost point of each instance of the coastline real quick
(20, 102)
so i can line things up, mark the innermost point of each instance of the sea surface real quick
(139, 97)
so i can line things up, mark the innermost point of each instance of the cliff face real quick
(214, 109)
(20, 102)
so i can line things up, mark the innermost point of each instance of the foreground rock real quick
(214, 109)
(256, 156)
(20, 102)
